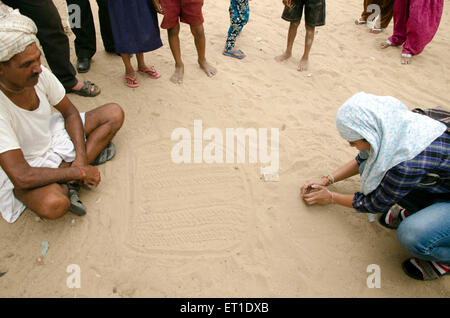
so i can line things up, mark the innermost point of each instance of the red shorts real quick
(188, 11)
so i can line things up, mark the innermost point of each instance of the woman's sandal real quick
(360, 21)
(131, 81)
(107, 154)
(150, 72)
(76, 206)
(424, 270)
(376, 30)
(86, 90)
(392, 218)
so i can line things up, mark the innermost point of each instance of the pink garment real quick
(415, 23)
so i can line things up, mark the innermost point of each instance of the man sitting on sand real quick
(190, 12)
(314, 16)
(43, 155)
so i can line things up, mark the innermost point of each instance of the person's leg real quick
(200, 43)
(174, 43)
(51, 36)
(423, 22)
(101, 125)
(50, 202)
(292, 34)
(85, 41)
(387, 12)
(401, 16)
(130, 76)
(105, 26)
(309, 39)
(239, 15)
(364, 14)
(426, 235)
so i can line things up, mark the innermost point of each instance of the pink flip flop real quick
(134, 83)
(151, 72)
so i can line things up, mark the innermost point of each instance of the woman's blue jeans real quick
(426, 233)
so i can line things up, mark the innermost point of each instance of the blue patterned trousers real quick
(239, 14)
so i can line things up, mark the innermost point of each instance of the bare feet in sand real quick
(406, 59)
(207, 68)
(304, 63)
(283, 57)
(178, 75)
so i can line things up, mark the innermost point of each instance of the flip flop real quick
(105, 155)
(76, 206)
(359, 21)
(376, 30)
(134, 83)
(233, 54)
(150, 72)
(424, 270)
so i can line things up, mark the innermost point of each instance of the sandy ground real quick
(158, 229)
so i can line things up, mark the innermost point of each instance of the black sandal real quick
(107, 154)
(396, 215)
(423, 270)
(76, 206)
(86, 90)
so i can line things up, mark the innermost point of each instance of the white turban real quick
(16, 32)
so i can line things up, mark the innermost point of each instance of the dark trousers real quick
(85, 41)
(54, 41)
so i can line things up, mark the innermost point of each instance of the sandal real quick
(376, 30)
(150, 72)
(76, 206)
(360, 21)
(134, 83)
(233, 54)
(424, 270)
(105, 155)
(392, 218)
(88, 89)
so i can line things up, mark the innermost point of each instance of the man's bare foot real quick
(178, 75)
(406, 59)
(304, 63)
(385, 44)
(283, 57)
(207, 68)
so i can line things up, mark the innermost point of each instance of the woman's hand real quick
(324, 181)
(320, 195)
(158, 6)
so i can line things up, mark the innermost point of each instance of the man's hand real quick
(158, 6)
(92, 176)
(320, 195)
(287, 3)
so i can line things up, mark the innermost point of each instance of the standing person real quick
(85, 42)
(415, 24)
(239, 15)
(386, 12)
(315, 13)
(189, 12)
(54, 43)
(405, 159)
(135, 29)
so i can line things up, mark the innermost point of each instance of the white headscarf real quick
(16, 32)
(394, 133)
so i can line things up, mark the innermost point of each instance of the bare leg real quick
(174, 42)
(292, 33)
(101, 126)
(50, 201)
(309, 39)
(200, 43)
(129, 70)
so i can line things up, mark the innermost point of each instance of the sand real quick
(158, 229)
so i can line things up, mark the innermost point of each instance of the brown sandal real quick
(87, 90)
